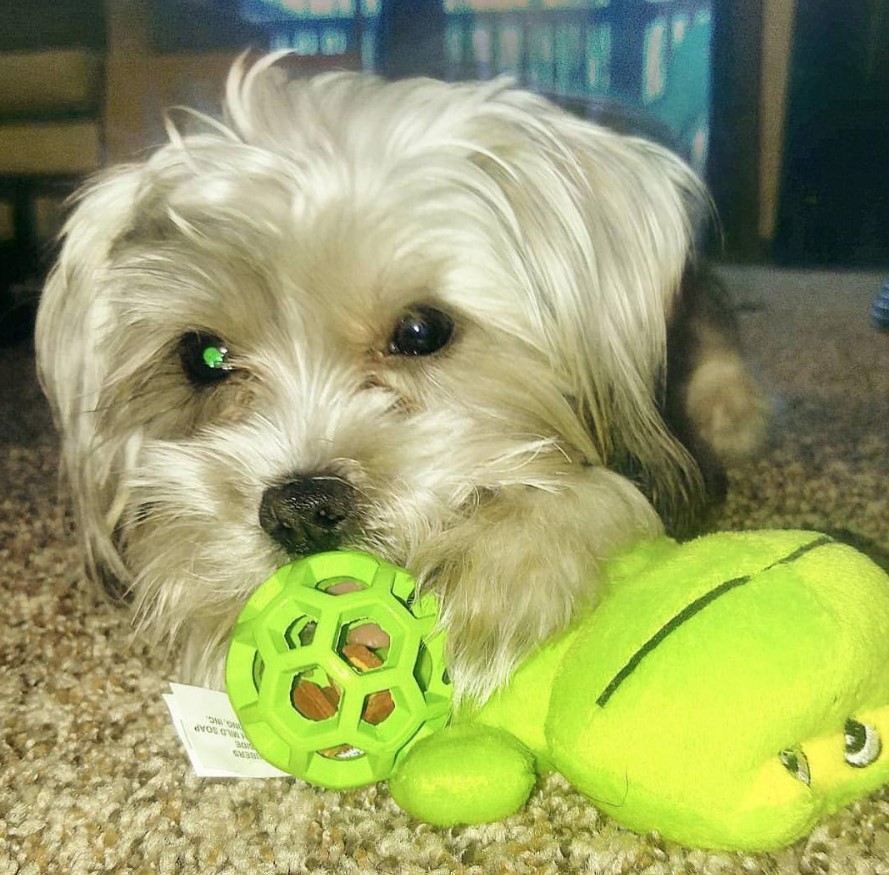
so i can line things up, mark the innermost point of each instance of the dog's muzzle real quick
(309, 513)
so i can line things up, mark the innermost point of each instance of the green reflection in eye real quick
(214, 356)
(204, 357)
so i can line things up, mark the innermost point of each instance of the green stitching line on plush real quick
(695, 608)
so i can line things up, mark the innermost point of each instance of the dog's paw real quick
(727, 408)
(514, 572)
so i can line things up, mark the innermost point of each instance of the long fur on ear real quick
(608, 225)
(71, 323)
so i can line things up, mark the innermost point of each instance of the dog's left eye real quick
(204, 357)
(421, 330)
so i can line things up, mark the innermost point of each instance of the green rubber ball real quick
(335, 668)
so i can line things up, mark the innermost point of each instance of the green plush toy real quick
(728, 693)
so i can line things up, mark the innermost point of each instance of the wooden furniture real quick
(142, 84)
(83, 86)
(51, 84)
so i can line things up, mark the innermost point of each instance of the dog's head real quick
(385, 316)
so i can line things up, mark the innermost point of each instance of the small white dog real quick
(426, 320)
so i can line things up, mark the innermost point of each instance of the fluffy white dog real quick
(425, 320)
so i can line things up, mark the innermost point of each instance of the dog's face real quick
(419, 319)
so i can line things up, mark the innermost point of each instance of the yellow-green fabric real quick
(683, 701)
(493, 778)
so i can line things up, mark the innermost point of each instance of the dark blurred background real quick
(783, 106)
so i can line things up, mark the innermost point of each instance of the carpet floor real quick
(92, 775)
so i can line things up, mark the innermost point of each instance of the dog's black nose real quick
(309, 513)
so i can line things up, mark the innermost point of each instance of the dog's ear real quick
(607, 225)
(72, 320)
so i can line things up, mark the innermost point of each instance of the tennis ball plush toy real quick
(727, 692)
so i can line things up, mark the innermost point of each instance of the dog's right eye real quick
(421, 331)
(204, 357)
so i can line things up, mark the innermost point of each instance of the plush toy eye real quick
(795, 761)
(204, 357)
(422, 330)
(862, 744)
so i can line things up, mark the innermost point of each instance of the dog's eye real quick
(421, 331)
(204, 357)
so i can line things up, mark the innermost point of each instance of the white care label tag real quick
(212, 735)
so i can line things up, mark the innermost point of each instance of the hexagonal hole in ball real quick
(314, 696)
(317, 698)
(301, 632)
(258, 670)
(363, 645)
(377, 707)
(341, 585)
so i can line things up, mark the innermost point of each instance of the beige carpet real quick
(92, 777)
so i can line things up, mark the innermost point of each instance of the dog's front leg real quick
(514, 569)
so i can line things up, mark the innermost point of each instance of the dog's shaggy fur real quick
(440, 318)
